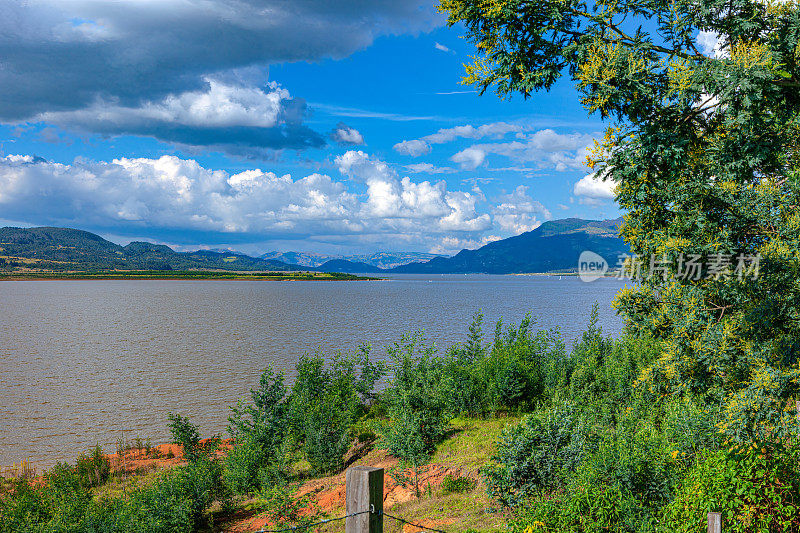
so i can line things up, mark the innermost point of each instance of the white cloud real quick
(169, 193)
(344, 134)
(427, 168)
(389, 197)
(442, 48)
(494, 129)
(469, 158)
(712, 45)
(452, 245)
(417, 147)
(219, 105)
(518, 212)
(221, 114)
(544, 148)
(413, 148)
(593, 190)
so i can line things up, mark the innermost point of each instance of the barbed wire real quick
(421, 528)
(329, 520)
(307, 526)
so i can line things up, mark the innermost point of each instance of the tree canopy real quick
(702, 101)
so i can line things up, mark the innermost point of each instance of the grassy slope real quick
(464, 453)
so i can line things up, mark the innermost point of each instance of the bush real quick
(326, 402)
(327, 430)
(241, 467)
(416, 408)
(259, 430)
(187, 435)
(60, 504)
(755, 487)
(537, 454)
(93, 470)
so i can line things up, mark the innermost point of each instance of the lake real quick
(88, 362)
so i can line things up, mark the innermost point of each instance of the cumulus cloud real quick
(226, 116)
(388, 196)
(176, 195)
(593, 190)
(413, 148)
(170, 193)
(544, 148)
(518, 212)
(344, 134)
(451, 245)
(469, 158)
(134, 58)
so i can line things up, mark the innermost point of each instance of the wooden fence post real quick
(714, 522)
(364, 492)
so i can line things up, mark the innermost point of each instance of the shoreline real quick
(183, 275)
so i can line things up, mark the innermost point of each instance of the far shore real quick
(182, 275)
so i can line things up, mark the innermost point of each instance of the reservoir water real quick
(88, 362)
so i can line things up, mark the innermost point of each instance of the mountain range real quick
(384, 260)
(552, 247)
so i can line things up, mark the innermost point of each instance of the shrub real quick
(452, 484)
(327, 430)
(60, 504)
(417, 410)
(755, 487)
(278, 502)
(93, 470)
(187, 435)
(259, 430)
(241, 467)
(537, 454)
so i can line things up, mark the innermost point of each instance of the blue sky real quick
(272, 125)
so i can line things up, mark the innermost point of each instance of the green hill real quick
(71, 249)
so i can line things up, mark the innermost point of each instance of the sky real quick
(259, 125)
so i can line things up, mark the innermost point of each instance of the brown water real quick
(88, 362)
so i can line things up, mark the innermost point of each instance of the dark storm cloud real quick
(59, 57)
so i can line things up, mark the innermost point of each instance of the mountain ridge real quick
(552, 247)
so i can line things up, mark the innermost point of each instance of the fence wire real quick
(315, 524)
(422, 529)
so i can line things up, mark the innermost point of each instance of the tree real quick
(704, 150)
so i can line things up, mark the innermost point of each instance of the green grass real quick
(472, 442)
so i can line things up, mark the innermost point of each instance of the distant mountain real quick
(72, 249)
(350, 267)
(299, 258)
(553, 246)
(379, 259)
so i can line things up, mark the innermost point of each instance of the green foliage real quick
(416, 408)
(756, 488)
(704, 152)
(259, 430)
(93, 470)
(325, 402)
(284, 509)
(175, 501)
(187, 435)
(536, 455)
